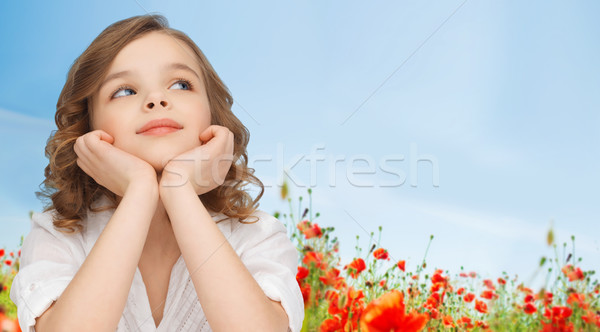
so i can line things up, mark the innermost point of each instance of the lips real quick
(160, 123)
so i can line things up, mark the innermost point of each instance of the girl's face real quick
(153, 77)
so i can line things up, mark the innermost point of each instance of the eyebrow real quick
(172, 66)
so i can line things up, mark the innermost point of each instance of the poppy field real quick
(372, 293)
(9, 265)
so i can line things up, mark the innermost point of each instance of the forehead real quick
(154, 50)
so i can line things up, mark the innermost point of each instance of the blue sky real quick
(502, 97)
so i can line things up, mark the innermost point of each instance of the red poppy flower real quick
(572, 273)
(447, 321)
(302, 273)
(524, 289)
(309, 229)
(305, 289)
(303, 225)
(501, 281)
(332, 278)
(546, 297)
(481, 306)
(482, 324)
(591, 318)
(435, 287)
(558, 313)
(381, 253)
(348, 308)
(558, 319)
(356, 267)
(469, 297)
(331, 325)
(1, 252)
(432, 301)
(8, 262)
(579, 299)
(402, 265)
(529, 308)
(387, 313)
(434, 313)
(333, 297)
(465, 322)
(460, 291)
(489, 284)
(438, 278)
(488, 294)
(312, 257)
(7, 324)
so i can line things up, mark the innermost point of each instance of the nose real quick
(154, 99)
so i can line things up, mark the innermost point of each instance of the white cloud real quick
(22, 141)
(11, 119)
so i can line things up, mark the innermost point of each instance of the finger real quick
(212, 131)
(85, 158)
(92, 151)
(77, 146)
(207, 134)
(84, 166)
(104, 136)
(230, 143)
(81, 148)
(96, 144)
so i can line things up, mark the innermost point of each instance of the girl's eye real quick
(183, 84)
(121, 92)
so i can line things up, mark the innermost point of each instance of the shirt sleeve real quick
(46, 269)
(272, 259)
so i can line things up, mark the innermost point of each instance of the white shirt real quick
(50, 259)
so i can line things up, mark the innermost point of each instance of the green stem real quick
(420, 268)
(310, 204)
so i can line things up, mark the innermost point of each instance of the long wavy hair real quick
(71, 192)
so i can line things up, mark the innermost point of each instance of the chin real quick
(158, 167)
(158, 162)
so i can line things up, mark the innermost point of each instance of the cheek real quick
(113, 121)
(204, 123)
(200, 118)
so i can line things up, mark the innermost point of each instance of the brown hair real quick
(71, 191)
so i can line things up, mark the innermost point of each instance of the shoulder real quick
(44, 221)
(261, 222)
(92, 223)
(257, 228)
(43, 230)
(45, 242)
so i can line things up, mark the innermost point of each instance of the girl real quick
(148, 228)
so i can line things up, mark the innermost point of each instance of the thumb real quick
(207, 134)
(104, 136)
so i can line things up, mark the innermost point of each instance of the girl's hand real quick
(204, 166)
(109, 166)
